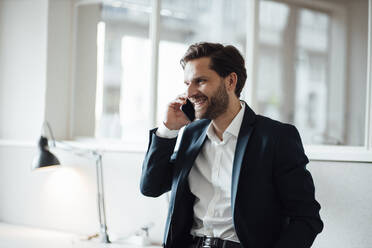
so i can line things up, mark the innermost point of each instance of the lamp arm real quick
(99, 174)
(99, 178)
(66, 147)
(101, 200)
(46, 126)
(78, 151)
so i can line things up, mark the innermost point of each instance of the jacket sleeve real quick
(157, 168)
(296, 192)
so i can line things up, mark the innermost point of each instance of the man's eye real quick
(200, 80)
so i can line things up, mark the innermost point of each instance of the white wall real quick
(85, 77)
(65, 199)
(23, 46)
(59, 66)
(344, 192)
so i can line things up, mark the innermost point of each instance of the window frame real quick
(314, 152)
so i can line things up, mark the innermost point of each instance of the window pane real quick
(185, 22)
(311, 71)
(170, 73)
(122, 109)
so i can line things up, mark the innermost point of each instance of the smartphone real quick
(188, 110)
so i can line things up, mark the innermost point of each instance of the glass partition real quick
(306, 64)
(312, 68)
(122, 102)
(183, 23)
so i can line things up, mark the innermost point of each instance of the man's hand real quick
(175, 119)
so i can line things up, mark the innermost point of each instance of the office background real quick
(50, 70)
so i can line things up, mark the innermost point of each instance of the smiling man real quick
(238, 179)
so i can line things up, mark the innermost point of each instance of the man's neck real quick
(223, 121)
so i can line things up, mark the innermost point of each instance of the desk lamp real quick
(46, 159)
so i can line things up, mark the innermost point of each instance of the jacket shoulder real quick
(272, 127)
(197, 126)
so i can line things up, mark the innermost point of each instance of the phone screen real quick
(188, 110)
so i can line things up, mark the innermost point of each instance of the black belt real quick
(209, 242)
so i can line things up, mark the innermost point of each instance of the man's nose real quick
(191, 90)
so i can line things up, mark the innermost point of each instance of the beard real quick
(217, 104)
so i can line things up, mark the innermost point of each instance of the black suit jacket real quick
(272, 192)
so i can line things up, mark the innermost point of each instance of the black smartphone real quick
(188, 110)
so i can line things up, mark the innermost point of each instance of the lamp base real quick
(101, 237)
(104, 238)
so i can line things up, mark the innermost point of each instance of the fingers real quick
(174, 118)
(175, 106)
(178, 102)
(181, 99)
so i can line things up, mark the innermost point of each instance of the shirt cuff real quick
(164, 132)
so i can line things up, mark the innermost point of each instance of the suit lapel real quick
(198, 140)
(196, 143)
(188, 158)
(241, 145)
(193, 150)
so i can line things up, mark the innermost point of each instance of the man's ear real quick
(232, 79)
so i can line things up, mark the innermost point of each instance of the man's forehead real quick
(197, 67)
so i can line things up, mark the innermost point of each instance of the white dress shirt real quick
(210, 181)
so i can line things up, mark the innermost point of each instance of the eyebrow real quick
(197, 78)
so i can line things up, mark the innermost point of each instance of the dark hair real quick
(224, 60)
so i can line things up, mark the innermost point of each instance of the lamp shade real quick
(45, 158)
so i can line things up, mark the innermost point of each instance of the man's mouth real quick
(199, 102)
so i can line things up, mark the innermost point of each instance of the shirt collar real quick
(234, 126)
(233, 129)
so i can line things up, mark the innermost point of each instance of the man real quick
(238, 179)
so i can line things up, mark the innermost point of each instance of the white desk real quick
(15, 236)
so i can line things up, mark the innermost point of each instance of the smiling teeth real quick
(199, 101)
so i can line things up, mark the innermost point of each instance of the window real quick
(183, 23)
(123, 72)
(123, 106)
(312, 82)
(306, 64)
(170, 82)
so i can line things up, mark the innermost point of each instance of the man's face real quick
(205, 89)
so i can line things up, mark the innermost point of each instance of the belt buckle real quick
(207, 242)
